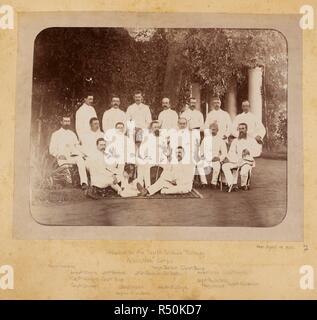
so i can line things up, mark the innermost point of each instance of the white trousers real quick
(215, 166)
(166, 187)
(104, 181)
(244, 173)
(79, 161)
(144, 174)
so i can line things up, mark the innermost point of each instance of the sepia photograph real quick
(159, 127)
(158, 153)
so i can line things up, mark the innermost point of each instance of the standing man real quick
(83, 116)
(256, 129)
(240, 156)
(89, 140)
(167, 118)
(113, 115)
(221, 117)
(138, 116)
(193, 116)
(64, 146)
(213, 151)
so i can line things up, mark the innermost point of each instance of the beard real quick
(242, 135)
(66, 127)
(157, 133)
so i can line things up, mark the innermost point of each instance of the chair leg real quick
(249, 178)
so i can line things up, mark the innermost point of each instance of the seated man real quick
(120, 149)
(100, 174)
(64, 146)
(89, 139)
(153, 151)
(189, 140)
(213, 151)
(240, 156)
(176, 178)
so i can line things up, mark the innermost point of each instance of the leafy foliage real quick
(215, 57)
(68, 62)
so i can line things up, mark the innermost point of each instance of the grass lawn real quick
(263, 206)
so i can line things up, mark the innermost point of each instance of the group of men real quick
(130, 143)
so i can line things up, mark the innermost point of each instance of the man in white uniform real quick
(256, 129)
(240, 156)
(193, 116)
(189, 140)
(167, 118)
(213, 151)
(120, 149)
(138, 116)
(114, 115)
(176, 178)
(100, 174)
(153, 151)
(89, 140)
(83, 115)
(221, 117)
(64, 146)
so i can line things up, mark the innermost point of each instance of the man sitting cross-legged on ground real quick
(64, 146)
(176, 177)
(100, 174)
(240, 156)
(213, 151)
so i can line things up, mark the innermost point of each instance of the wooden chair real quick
(53, 174)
